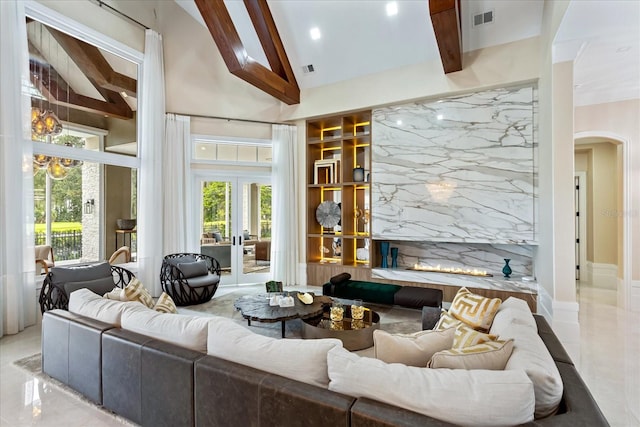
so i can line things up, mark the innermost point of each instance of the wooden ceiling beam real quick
(57, 91)
(445, 17)
(94, 65)
(279, 81)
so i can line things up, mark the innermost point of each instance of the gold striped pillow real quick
(135, 291)
(474, 310)
(165, 304)
(446, 321)
(492, 355)
(468, 337)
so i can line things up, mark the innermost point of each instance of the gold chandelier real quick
(44, 123)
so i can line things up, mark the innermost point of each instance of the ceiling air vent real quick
(308, 68)
(483, 18)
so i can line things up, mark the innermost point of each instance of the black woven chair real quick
(61, 281)
(190, 278)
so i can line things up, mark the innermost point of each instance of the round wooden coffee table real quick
(257, 308)
(354, 334)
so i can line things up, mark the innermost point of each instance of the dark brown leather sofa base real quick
(155, 383)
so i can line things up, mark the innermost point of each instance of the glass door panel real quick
(216, 222)
(256, 230)
(235, 227)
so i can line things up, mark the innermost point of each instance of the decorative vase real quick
(394, 257)
(358, 174)
(384, 251)
(506, 270)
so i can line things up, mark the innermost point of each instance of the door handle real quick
(233, 241)
(240, 240)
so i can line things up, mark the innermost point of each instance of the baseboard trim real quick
(604, 276)
(545, 304)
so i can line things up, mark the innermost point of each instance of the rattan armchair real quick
(61, 281)
(190, 278)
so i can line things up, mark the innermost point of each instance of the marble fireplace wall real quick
(482, 256)
(459, 169)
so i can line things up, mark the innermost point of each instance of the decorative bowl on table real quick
(126, 224)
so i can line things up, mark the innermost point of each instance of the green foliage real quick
(66, 194)
(213, 201)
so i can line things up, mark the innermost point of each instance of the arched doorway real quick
(603, 159)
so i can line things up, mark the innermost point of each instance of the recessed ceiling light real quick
(392, 8)
(399, 122)
(315, 33)
(440, 117)
(623, 49)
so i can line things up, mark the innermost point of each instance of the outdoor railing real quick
(67, 245)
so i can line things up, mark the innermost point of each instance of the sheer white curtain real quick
(176, 186)
(284, 238)
(17, 257)
(150, 212)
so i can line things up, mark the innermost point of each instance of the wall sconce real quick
(89, 206)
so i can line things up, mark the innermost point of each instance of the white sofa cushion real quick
(411, 349)
(301, 360)
(531, 355)
(512, 310)
(90, 304)
(475, 397)
(180, 329)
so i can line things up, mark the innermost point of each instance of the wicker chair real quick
(61, 281)
(190, 278)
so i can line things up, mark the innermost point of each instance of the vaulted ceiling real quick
(360, 37)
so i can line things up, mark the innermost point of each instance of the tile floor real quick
(609, 364)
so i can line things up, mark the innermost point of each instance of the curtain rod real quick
(229, 119)
(116, 11)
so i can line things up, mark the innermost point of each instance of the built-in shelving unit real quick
(336, 146)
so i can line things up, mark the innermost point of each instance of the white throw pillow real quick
(301, 360)
(476, 397)
(488, 355)
(411, 349)
(531, 355)
(180, 329)
(89, 304)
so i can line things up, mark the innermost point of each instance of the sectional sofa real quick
(159, 369)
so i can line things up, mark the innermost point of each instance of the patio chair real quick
(190, 278)
(121, 256)
(44, 259)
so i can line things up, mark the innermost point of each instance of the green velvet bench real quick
(341, 286)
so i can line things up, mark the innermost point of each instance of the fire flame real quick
(452, 270)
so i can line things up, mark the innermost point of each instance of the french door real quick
(235, 225)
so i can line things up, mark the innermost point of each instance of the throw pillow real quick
(474, 310)
(491, 355)
(193, 269)
(135, 291)
(339, 278)
(116, 294)
(216, 235)
(456, 396)
(99, 286)
(165, 304)
(446, 321)
(467, 337)
(60, 275)
(411, 349)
